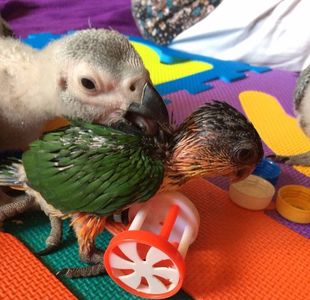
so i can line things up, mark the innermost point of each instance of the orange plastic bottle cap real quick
(293, 203)
(254, 193)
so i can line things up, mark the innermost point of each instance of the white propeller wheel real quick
(144, 264)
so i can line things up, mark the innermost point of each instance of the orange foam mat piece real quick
(241, 254)
(32, 280)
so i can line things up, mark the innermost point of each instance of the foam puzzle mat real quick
(239, 254)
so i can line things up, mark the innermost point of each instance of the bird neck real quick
(172, 182)
(36, 92)
(48, 88)
(182, 162)
(174, 178)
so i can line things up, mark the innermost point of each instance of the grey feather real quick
(302, 100)
(302, 110)
(302, 82)
(115, 46)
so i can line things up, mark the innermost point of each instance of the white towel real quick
(262, 32)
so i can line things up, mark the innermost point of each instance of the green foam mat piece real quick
(33, 228)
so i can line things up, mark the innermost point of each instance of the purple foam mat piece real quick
(270, 82)
(56, 16)
(302, 229)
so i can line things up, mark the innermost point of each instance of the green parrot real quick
(88, 172)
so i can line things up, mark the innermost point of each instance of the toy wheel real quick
(144, 264)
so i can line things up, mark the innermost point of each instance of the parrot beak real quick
(150, 113)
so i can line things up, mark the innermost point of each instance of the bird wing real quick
(92, 168)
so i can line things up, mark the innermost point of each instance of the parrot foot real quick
(54, 239)
(88, 271)
(94, 256)
(5, 198)
(302, 159)
(19, 206)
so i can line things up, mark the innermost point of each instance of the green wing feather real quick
(92, 168)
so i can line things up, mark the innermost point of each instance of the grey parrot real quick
(302, 110)
(93, 75)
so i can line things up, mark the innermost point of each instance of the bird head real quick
(215, 140)
(102, 78)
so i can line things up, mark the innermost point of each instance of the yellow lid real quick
(293, 203)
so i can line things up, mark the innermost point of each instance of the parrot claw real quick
(278, 158)
(302, 159)
(62, 272)
(88, 271)
(49, 249)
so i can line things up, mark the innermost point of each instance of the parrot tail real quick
(10, 173)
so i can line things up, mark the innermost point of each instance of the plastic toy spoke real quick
(154, 255)
(156, 286)
(133, 280)
(171, 273)
(120, 263)
(130, 249)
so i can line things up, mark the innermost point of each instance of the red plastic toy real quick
(148, 259)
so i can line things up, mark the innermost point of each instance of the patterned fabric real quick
(160, 21)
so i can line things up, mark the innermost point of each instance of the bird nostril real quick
(132, 87)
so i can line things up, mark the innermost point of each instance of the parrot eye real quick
(88, 83)
(244, 155)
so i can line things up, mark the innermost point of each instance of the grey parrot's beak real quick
(151, 112)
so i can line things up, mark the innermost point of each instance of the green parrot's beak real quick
(151, 111)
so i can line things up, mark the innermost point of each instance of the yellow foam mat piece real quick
(278, 130)
(161, 73)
